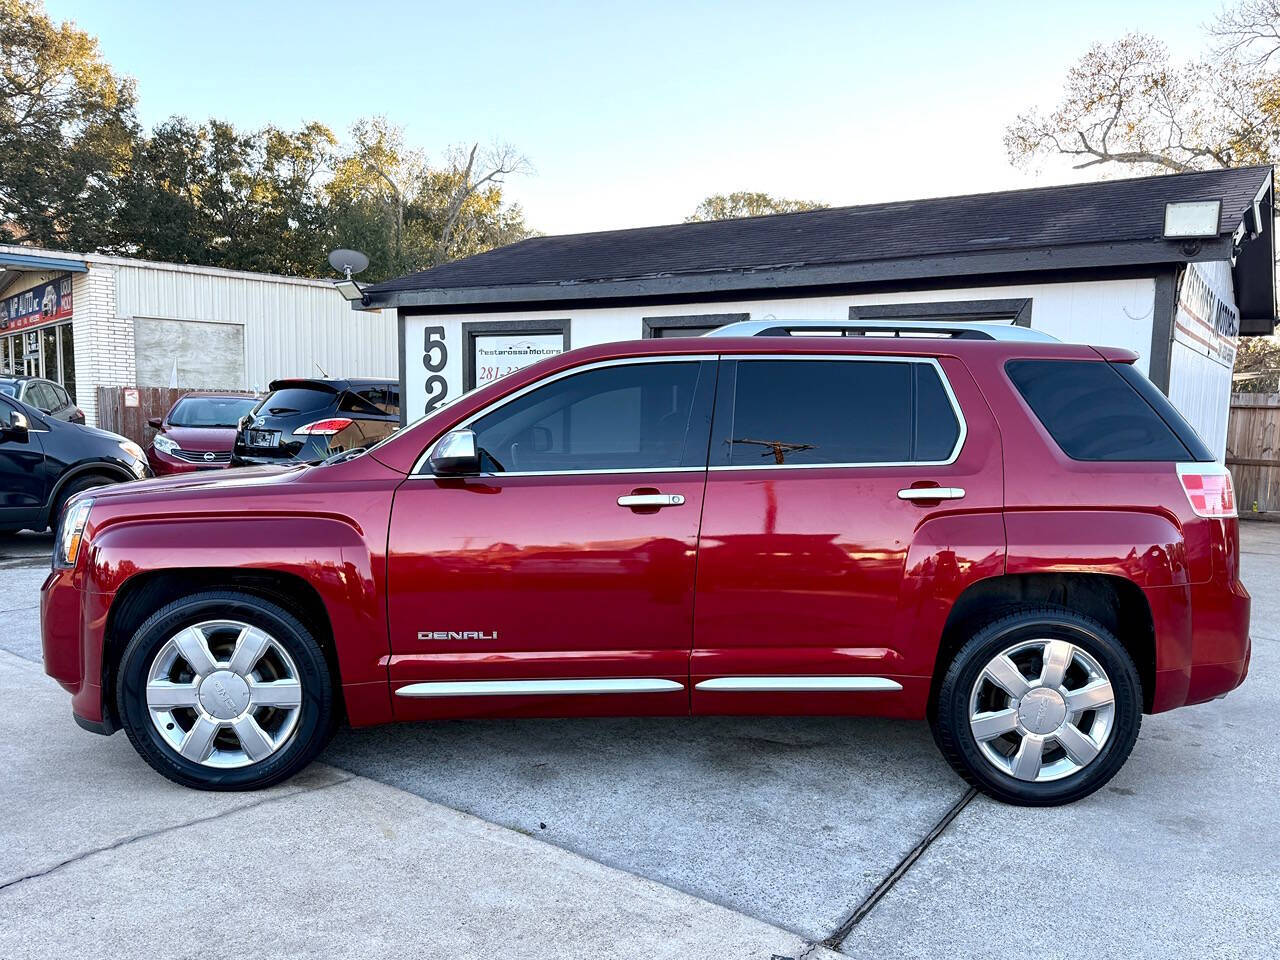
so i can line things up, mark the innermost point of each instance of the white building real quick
(86, 321)
(1094, 263)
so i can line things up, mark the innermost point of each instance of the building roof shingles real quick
(1113, 211)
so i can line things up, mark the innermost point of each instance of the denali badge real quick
(457, 635)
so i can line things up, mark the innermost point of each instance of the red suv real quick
(1017, 539)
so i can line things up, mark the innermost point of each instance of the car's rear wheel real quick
(225, 691)
(1039, 707)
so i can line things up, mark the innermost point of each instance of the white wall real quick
(1205, 331)
(1103, 313)
(292, 328)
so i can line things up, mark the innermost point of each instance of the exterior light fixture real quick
(350, 290)
(1192, 219)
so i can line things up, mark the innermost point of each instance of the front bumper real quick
(72, 627)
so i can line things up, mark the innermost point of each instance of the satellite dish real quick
(348, 262)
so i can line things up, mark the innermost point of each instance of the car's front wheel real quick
(225, 691)
(1040, 707)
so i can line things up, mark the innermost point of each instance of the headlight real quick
(132, 449)
(165, 445)
(71, 532)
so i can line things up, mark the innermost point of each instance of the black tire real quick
(78, 485)
(316, 719)
(950, 720)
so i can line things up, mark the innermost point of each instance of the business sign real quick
(46, 303)
(497, 355)
(1208, 320)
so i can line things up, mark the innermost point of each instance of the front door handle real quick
(931, 493)
(651, 500)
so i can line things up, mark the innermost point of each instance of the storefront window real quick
(68, 360)
(49, 353)
(6, 358)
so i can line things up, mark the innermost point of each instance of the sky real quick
(630, 114)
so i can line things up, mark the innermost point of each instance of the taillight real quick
(1208, 489)
(324, 428)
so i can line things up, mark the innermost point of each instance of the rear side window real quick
(819, 412)
(1093, 412)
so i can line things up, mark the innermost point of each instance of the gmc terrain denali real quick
(1018, 539)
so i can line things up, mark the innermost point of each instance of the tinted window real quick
(1168, 413)
(60, 396)
(1092, 412)
(838, 411)
(9, 389)
(209, 411)
(632, 417)
(372, 401)
(295, 400)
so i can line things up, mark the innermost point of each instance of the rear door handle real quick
(931, 493)
(651, 500)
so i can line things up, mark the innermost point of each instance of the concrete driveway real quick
(714, 837)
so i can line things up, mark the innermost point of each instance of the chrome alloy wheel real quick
(1042, 710)
(223, 693)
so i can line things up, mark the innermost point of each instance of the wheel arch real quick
(102, 468)
(144, 592)
(1116, 602)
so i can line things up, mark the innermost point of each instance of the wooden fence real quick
(126, 410)
(1253, 452)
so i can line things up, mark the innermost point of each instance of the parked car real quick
(1019, 540)
(44, 462)
(197, 433)
(308, 421)
(46, 396)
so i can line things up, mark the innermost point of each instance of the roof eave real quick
(1040, 259)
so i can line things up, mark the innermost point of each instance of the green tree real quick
(67, 131)
(730, 206)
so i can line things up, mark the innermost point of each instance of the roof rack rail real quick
(960, 330)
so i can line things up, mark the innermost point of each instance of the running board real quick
(519, 688)
(796, 684)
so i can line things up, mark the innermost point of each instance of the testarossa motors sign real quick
(45, 303)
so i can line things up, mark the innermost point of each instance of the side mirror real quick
(455, 454)
(18, 429)
(154, 423)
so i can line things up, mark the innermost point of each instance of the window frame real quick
(726, 399)
(422, 468)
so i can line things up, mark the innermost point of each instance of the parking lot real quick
(713, 837)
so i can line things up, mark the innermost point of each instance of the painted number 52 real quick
(435, 355)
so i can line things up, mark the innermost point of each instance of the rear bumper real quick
(1211, 658)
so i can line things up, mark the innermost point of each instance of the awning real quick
(29, 262)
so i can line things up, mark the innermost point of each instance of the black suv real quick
(45, 395)
(44, 461)
(307, 421)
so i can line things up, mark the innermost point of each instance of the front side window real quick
(641, 416)
(833, 412)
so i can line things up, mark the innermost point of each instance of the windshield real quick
(210, 411)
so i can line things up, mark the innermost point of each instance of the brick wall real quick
(104, 341)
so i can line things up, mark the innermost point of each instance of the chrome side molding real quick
(796, 684)
(515, 688)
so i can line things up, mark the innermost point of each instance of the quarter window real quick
(629, 417)
(815, 412)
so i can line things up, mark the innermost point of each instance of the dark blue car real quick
(43, 461)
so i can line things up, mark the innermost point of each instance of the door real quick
(560, 580)
(823, 543)
(23, 480)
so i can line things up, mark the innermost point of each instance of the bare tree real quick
(1127, 103)
(471, 172)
